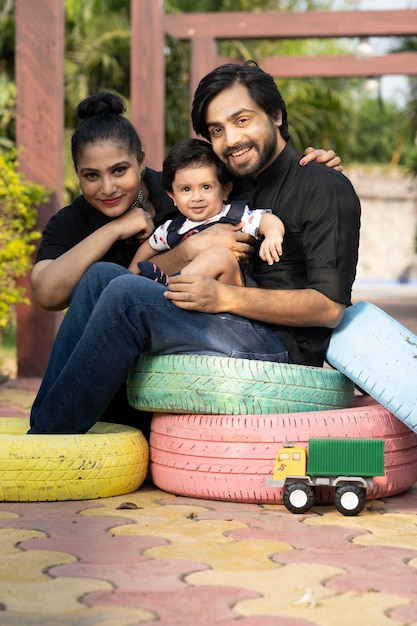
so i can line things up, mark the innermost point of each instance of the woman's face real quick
(109, 177)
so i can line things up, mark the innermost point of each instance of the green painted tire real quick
(221, 385)
(108, 460)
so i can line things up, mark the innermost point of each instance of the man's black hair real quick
(260, 85)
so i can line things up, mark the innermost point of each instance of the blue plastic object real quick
(380, 356)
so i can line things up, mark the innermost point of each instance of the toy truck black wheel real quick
(349, 499)
(298, 497)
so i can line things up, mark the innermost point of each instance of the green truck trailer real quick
(347, 465)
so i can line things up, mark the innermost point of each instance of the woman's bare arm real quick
(52, 280)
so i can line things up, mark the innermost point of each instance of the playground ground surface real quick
(152, 557)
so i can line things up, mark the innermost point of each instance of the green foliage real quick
(97, 52)
(332, 113)
(7, 37)
(18, 202)
(7, 112)
(318, 112)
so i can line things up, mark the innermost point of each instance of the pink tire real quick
(229, 457)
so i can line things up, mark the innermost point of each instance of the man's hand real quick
(326, 157)
(226, 236)
(195, 292)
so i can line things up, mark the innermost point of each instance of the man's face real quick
(243, 136)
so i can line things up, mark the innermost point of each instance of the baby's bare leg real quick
(217, 262)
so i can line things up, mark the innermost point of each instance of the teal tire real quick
(380, 356)
(220, 385)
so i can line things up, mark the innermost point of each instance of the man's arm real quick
(225, 235)
(293, 307)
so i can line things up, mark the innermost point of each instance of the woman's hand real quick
(326, 157)
(134, 223)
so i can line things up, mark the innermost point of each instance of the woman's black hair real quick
(102, 119)
(260, 85)
(191, 152)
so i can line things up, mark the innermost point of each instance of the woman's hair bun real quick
(101, 103)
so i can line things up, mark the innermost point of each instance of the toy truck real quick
(348, 465)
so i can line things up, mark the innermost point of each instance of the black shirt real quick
(75, 222)
(321, 214)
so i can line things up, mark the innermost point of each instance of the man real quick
(115, 316)
(240, 110)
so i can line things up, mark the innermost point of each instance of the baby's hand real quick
(271, 249)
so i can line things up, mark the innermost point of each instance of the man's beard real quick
(264, 156)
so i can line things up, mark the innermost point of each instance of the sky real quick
(392, 87)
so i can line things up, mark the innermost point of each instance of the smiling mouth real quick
(111, 201)
(236, 154)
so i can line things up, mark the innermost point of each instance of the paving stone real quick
(98, 549)
(391, 529)
(406, 615)
(300, 591)
(9, 537)
(187, 606)
(49, 596)
(221, 556)
(364, 571)
(95, 616)
(147, 576)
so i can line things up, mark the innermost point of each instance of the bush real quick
(18, 202)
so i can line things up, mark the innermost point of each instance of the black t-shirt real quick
(75, 222)
(321, 214)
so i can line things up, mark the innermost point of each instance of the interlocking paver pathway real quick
(151, 557)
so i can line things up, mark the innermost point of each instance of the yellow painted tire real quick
(108, 460)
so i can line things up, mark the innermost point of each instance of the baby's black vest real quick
(233, 216)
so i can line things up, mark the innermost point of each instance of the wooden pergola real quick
(40, 36)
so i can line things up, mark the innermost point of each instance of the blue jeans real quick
(113, 317)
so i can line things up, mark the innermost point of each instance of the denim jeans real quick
(113, 317)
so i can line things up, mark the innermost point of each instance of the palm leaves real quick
(97, 57)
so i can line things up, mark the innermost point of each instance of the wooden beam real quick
(336, 66)
(40, 37)
(147, 71)
(292, 25)
(203, 60)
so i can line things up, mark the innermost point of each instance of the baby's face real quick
(198, 193)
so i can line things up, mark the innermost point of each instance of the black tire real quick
(349, 499)
(298, 497)
(220, 385)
